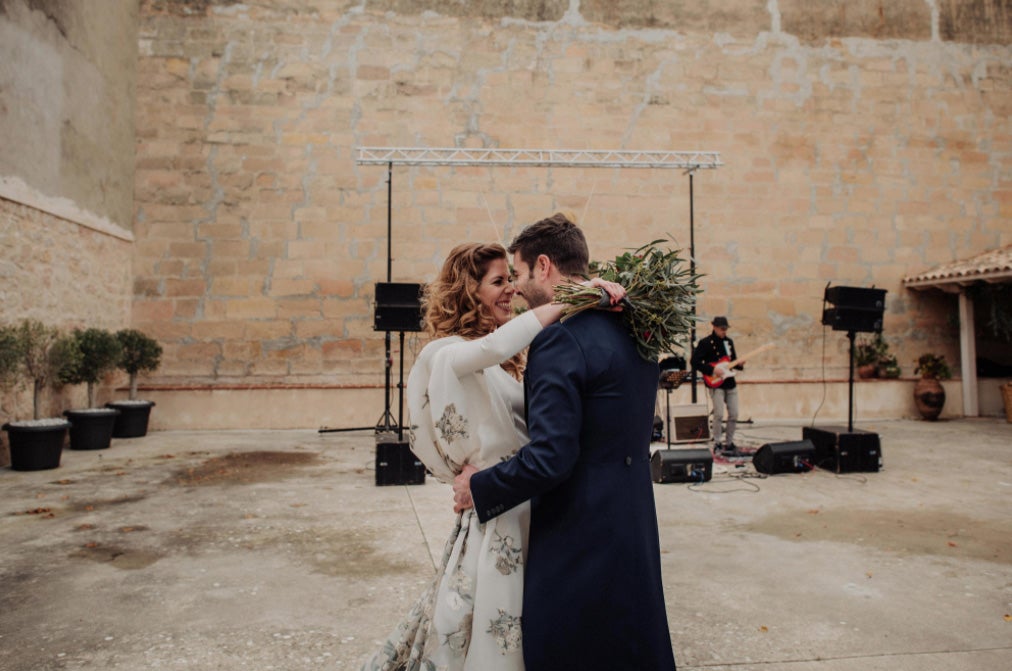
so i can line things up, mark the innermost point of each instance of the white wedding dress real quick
(465, 408)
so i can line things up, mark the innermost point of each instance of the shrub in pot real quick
(42, 352)
(99, 352)
(929, 394)
(10, 357)
(140, 353)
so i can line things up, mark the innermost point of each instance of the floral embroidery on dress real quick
(506, 631)
(459, 581)
(452, 425)
(459, 640)
(508, 557)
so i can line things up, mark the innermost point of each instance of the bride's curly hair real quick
(451, 304)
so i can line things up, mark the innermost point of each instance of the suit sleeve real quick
(555, 381)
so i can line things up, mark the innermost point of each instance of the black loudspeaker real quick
(793, 457)
(695, 465)
(855, 309)
(842, 451)
(398, 307)
(396, 464)
(856, 297)
(853, 319)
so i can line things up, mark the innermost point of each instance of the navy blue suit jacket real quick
(593, 597)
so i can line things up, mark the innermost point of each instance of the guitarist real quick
(710, 352)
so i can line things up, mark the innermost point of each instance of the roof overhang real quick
(993, 267)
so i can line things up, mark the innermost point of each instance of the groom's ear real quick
(543, 266)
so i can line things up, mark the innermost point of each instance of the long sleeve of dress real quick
(471, 356)
(449, 398)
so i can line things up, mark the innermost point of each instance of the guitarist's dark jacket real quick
(709, 351)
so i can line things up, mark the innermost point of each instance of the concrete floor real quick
(275, 550)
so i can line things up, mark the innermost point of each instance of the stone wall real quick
(66, 172)
(861, 141)
(65, 275)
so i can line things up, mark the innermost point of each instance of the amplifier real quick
(396, 464)
(691, 423)
(689, 465)
(842, 451)
(793, 457)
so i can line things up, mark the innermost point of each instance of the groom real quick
(593, 597)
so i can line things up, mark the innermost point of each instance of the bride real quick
(466, 403)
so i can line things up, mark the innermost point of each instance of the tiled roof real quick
(992, 266)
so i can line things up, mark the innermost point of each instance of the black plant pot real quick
(36, 447)
(91, 429)
(132, 421)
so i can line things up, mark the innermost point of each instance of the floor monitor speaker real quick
(688, 465)
(792, 457)
(843, 451)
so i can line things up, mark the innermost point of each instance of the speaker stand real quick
(850, 384)
(386, 423)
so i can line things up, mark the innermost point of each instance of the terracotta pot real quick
(867, 371)
(929, 396)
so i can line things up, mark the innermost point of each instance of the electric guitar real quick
(722, 367)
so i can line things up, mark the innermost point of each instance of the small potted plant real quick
(870, 356)
(890, 367)
(100, 350)
(37, 444)
(140, 353)
(929, 394)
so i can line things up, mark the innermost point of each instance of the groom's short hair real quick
(558, 238)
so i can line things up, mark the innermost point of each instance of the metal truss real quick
(453, 156)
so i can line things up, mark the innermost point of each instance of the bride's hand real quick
(615, 291)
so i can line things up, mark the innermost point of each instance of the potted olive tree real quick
(10, 357)
(99, 353)
(140, 353)
(929, 394)
(43, 351)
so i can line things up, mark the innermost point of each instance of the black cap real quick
(720, 321)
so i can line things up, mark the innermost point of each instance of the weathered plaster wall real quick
(67, 73)
(67, 96)
(862, 141)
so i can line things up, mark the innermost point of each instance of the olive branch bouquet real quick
(661, 294)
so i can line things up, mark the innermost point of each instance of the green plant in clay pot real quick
(99, 353)
(870, 354)
(929, 394)
(140, 353)
(890, 367)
